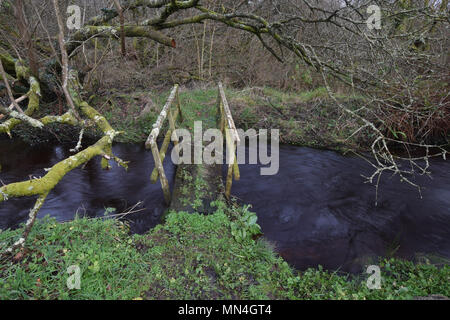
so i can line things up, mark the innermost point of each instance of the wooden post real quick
(179, 106)
(229, 181)
(162, 152)
(172, 126)
(232, 139)
(237, 174)
(162, 175)
(233, 167)
(230, 161)
(151, 142)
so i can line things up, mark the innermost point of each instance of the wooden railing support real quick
(231, 137)
(227, 127)
(151, 142)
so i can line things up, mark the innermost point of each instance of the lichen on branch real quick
(46, 183)
(33, 94)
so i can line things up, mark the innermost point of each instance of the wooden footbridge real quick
(196, 185)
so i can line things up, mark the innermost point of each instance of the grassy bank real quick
(190, 256)
(307, 118)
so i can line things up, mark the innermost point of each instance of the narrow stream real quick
(85, 191)
(316, 210)
(319, 210)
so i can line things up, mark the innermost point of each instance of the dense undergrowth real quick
(190, 256)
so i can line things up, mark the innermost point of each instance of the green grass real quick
(199, 187)
(190, 256)
(122, 111)
(307, 118)
(102, 250)
(199, 105)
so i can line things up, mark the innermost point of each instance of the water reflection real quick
(86, 190)
(318, 210)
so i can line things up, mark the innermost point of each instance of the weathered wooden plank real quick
(231, 159)
(151, 143)
(228, 116)
(172, 127)
(162, 175)
(162, 152)
(229, 181)
(236, 172)
(162, 116)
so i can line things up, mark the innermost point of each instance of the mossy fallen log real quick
(55, 174)
(8, 63)
(33, 95)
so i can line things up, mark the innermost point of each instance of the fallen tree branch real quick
(29, 224)
(89, 32)
(33, 96)
(43, 186)
(57, 172)
(21, 116)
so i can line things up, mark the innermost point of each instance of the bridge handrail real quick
(228, 127)
(159, 155)
(162, 116)
(228, 115)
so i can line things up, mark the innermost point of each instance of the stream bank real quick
(191, 256)
(317, 210)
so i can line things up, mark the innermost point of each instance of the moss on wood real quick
(56, 173)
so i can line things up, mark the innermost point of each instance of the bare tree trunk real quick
(64, 60)
(122, 29)
(23, 29)
(8, 88)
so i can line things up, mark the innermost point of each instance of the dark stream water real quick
(316, 210)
